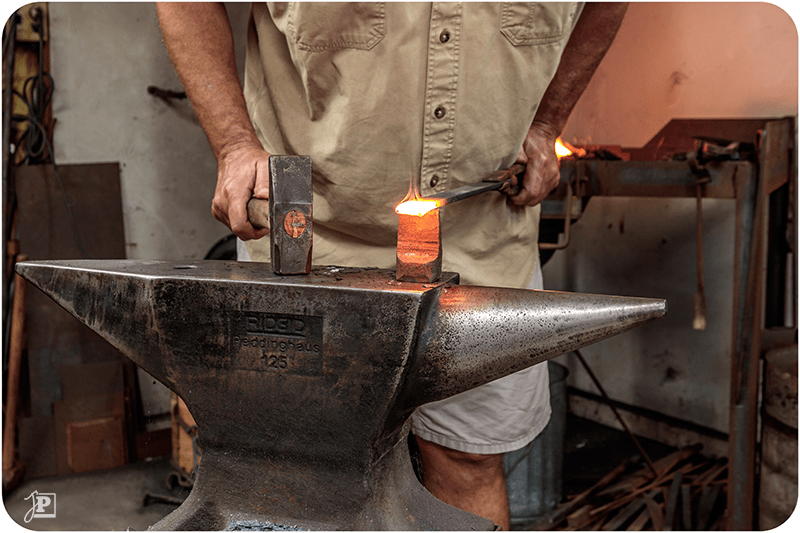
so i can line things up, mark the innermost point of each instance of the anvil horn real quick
(478, 334)
(301, 386)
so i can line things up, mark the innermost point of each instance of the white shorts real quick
(497, 417)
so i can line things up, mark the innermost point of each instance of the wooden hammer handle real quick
(258, 212)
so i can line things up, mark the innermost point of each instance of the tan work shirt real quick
(381, 93)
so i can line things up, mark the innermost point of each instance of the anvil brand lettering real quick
(277, 342)
(281, 345)
(275, 325)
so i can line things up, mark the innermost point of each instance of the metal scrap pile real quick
(686, 492)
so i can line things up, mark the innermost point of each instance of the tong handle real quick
(511, 178)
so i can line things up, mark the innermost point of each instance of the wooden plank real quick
(154, 443)
(779, 141)
(667, 463)
(183, 432)
(624, 500)
(708, 498)
(40, 460)
(649, 424)
(580, 518)
(751, 221)
(672, 502)
(625, 515)
(654, 510)
(686, 507)
(711, 474)
(563, 510)
(640, 521)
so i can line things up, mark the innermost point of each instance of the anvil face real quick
(301, 386)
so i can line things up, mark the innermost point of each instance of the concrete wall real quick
(103, 58)
(672, 60)
(689, 60)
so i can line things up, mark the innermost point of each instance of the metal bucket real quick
(533, 473)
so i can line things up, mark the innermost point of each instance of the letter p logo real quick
(43, 506)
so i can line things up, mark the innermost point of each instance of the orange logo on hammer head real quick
(294, 223)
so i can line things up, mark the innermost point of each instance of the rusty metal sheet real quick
(92, 379)
(90, 433)
(93, 193)
(46, 231)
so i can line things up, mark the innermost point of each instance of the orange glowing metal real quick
(419, 235)
(564, 149)
(561, 149)
(416, 207)
(419, 247)
(414, 204)
(419, 238)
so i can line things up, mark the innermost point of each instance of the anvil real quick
(302, 386)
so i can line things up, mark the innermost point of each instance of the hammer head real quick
(290, 214)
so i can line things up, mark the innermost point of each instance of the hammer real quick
(287, 213)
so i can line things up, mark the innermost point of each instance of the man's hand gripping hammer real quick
(287, 213)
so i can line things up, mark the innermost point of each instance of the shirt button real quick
(434, 180)
(439, 112)
(444, 36)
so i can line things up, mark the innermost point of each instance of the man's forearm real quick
(593, 34)
(200, 43)
(199, 40)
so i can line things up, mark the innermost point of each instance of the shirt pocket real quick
(324, 26)
(532, 23)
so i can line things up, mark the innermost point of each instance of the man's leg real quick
(471, 482)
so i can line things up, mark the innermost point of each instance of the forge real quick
(302, 386)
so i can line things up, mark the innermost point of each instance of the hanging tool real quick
(696, 163)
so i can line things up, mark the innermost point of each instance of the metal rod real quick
(608, 401)
(751, 216)
(461, 193)
(699, 304)
(499, 180)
